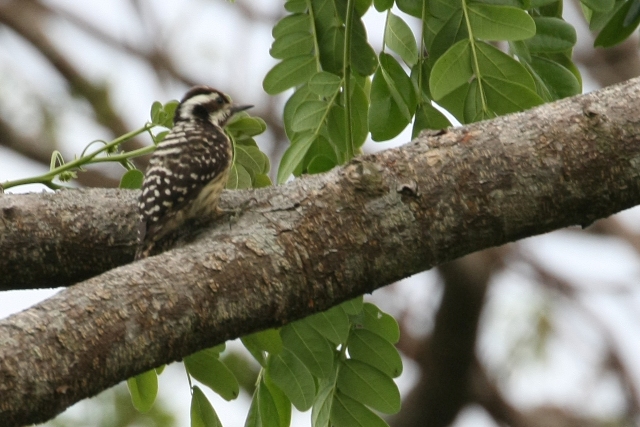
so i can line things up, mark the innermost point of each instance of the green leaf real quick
(281, 401)
(310, 115)
(492, 62)
(162, 115)
(299, 97)
(170, 111)
(363, 57)
(393, 100)
(399, 38)
(454, 102)
(132, 179)
(620, 26)
(321, 148)
(540, 3)
(564, 59)
(218, 348)
(504, 97)
(331, 46)
(369, 386)
(336, 130)
(514, 3)
(159, 137)
(294, 155)
(412, 7)
(507, 86)
(520, 50)
(474, 107)
(321, 411)
(268, 340)
(333, 324)
(202, 413)
(253, 416)
(295, 23)
(325, 14)
(309, 346)
(558, 81)
(500, 22)
(597, 20)
(296, 6)
(324, 83)
(269, 406)
(442, 9)
(381, 323)
(205, 367)
(548, 8)
(261, 181)
(452, 70)
(400, 85)
(599, 5)
(291, 45)
(320, 164)
(359, 115)
(246, 125)
(143, 389)
(362, 6)
(446, 31)
(347, 412)
(266, 164)
(252, 159)
(354, 306)
(239, 178)
(371, 348)
(428, 117)
(289, 73)
(382, 5)
(293, 378)
(156, 108)
(552, 35)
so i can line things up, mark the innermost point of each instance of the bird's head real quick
(206, 103)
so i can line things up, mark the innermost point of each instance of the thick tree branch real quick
(57, 239)
(315, 242)
(579, 154)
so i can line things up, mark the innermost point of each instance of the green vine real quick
(346, 75)
(65, 171)
(474, 55)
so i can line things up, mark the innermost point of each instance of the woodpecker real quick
(189, 169)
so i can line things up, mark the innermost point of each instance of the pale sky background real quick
(204, 36)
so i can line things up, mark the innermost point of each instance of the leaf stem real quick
(421, 56)
(126, 155)
(346, 74)
(47, 178)
(386, 25)
(476, 66)
(314, 31)
(189, 379)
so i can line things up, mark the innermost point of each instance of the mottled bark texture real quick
(303, 247)
(57, 239)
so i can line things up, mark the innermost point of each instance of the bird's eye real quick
(219, 100)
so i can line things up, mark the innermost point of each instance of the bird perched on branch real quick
(189, 169)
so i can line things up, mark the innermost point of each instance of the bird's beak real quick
(236, 108)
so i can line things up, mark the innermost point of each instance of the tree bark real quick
(296, 249)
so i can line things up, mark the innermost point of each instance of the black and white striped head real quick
(209, 104)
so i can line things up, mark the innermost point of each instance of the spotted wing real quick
(185, 161)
